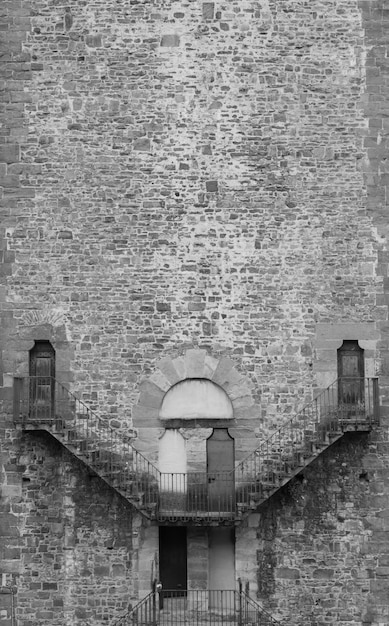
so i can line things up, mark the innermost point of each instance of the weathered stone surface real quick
(222, 171)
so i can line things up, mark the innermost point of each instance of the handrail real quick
(349, 404)
(194, 607)
(145, 608)
(201, 496)
(250, 607)
(44, 401)
(315, 409)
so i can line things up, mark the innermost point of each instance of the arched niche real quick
(196, 399)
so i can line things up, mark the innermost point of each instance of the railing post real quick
(154, 602)
(17, 394)
(376, 402)
(159, 589)
(240, 613)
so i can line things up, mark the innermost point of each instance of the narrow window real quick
(351, 374)
(42, 380)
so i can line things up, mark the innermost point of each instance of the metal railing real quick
(219, 607)
(43, 402)
(197, 496)
(303, 437)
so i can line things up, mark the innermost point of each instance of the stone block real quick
(223, 371)
(144, 415)
(169, 373)
(208, 10)
(159, 379)
(194, 363)
(170, 41)
(142, 144)
(9, 153)
(210, 365)
(150, 394)
(180, 367)
(288, 573)
(150, 400)
(93, 41)
(212, 185)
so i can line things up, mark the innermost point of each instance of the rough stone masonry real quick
(185, 178)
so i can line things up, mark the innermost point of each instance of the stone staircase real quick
(45, 404)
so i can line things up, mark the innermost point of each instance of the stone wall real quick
(68, 539)
(321, 542)
(187, 176)
(180, 176)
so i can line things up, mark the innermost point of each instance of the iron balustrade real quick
(195, 497)
(301, 438)
(44, 403)
(197, 607)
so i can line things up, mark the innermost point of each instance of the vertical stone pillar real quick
(197, 539)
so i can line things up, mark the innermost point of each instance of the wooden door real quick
(351, 374)
(42, 380)
(173, 560)
(220, 471)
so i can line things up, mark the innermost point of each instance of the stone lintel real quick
(198, 423)
(347, 330)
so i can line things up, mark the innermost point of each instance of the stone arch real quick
(196, 398)
(194, 364)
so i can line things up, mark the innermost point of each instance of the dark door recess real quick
(351, 374)
(173, 560)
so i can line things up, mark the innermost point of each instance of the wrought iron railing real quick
(145, 612)
(301, 438)
(220, 607)
(44, 402)
(195, 496)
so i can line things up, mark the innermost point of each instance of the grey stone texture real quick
(194, 189)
